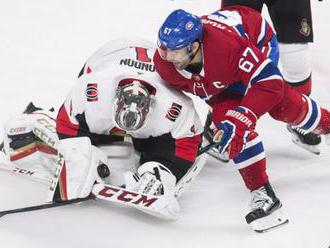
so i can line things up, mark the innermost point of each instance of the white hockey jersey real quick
(90, 103)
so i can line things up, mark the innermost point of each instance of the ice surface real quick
(43, 45)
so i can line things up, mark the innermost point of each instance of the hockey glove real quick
(233, 132)
(152, 178)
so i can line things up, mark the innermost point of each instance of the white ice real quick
(43, 45)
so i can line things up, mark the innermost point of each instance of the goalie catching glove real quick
(234, 131)
(152, 178)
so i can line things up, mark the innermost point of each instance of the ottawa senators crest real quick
(173, 112)
(91, 93)
(305, 27)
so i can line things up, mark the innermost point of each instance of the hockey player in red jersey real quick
(209, 58)
(294, 28)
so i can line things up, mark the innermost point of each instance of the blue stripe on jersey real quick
(237, 88)
(217, 13)
(240, 29)
(259, 45)
(269, 70)
(249, 153)
(313, 117)
(274, 50)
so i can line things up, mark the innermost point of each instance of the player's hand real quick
(234, 131)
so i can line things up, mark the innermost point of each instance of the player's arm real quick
(264, 90)
(262, 77)
(71, 120)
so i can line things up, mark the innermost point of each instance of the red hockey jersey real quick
(231, 63)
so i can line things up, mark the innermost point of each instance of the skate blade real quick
(270, 222)
(313, 149)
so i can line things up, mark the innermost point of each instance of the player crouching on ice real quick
(211, 57)
(112, 96)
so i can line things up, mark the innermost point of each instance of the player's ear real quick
(195, 46)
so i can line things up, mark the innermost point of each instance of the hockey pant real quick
(295, 109)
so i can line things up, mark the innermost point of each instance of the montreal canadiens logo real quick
(189, 25)
(92, 93)
(173, 112)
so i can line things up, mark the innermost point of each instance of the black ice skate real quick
(309, 142)
(266, 212)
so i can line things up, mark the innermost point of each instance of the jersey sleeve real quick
(261, 76)
(67, 124)
(72, 119)
(187, 131)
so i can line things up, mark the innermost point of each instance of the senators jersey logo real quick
(92, 92)
(173, 112)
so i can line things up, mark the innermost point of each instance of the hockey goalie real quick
(118, 106)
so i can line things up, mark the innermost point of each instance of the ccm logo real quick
(23, 171)
(127, 196)
(17, 130)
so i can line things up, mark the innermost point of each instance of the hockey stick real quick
(208, 135)
(45, 206)
(160, 206)
(206, 148)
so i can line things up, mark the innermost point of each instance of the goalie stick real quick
(206, 148)
(162, 206)
(44, 206)
(158, 206)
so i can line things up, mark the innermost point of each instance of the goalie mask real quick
(132, 106)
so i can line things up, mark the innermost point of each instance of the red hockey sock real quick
(255, 175)
(324, 126)
(303, 87)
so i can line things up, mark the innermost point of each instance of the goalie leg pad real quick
(30, 142)
(77, 169)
